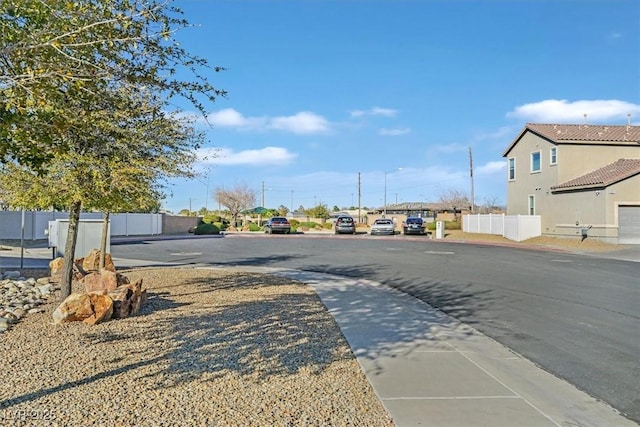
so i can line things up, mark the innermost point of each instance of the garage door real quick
(629, 225)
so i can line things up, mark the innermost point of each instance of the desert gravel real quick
(210, 347)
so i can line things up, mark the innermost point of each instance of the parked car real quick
(413, 225)
(277, 224)
(345, 224)
(383, 226)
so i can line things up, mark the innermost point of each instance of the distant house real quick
(581, 179)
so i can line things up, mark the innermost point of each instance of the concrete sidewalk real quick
(429, 369)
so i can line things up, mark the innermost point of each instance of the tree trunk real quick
(70, 249)
(103, 239)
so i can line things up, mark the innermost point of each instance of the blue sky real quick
(321, 91)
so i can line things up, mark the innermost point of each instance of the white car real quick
(383, 226)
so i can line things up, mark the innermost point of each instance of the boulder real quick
(92, 261)
(103, 281)
(102, 309)
(127, 299)
(88, 308)
(56, 266)
(75, 307)
(121, 302)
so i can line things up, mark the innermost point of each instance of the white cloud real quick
(563, 111)
(394, 132)
(375, 111)
(301, 123)
(491, 168)
(233, 119)
(262, 157)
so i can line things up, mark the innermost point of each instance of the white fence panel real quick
(484, 223)
(513, 227)
(35, 223)
(132, 224)
(522, 227)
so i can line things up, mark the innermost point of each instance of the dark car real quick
(345, 224)
(413, 225)
(277, 224)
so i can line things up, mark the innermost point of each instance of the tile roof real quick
(616, 133)
(567, 134)
(617, 171)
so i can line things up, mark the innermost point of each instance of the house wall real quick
(576, 160)
(597, 209)
(527, 183)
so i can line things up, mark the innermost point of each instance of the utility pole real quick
(359, 198)
(261, 206)
(473, 201)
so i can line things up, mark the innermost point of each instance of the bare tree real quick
(491, 204)
(454, 198)
(236, 199)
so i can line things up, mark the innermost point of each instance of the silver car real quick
(345, 224)
(383, 226)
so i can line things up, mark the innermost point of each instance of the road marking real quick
(439, 252)
(561, 260)
(186, 253)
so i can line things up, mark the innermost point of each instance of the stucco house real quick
(582, 180)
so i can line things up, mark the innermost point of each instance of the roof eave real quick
(526, 129)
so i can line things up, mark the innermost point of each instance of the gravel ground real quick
(569, 244)
(209, 348)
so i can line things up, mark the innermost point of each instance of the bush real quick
(448, 225)
(294, 223)
(206, 229)
(254, 227)
(220, 225)
(310, 225)
(328, 225)
(453, 225)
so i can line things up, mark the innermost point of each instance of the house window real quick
(553, 156)
(535, 161)
(512, 169)
(532, 205)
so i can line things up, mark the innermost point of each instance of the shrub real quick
(254, 227)
(220, 225)
(453, 225)
(328, 225)
(448, 225)
(206, 229)
(310, 225)
(294, 223)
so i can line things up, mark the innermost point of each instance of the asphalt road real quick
(577, 316)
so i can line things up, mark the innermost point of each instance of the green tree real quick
(67, 70)
(319, 211)
(282, 210)
(51, 50)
